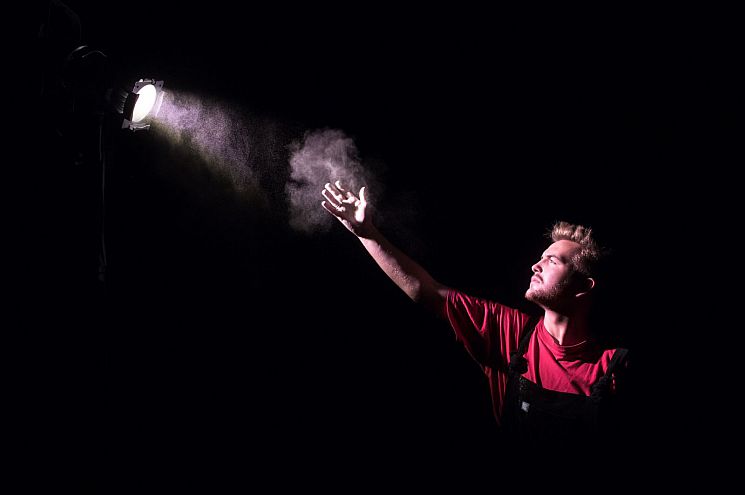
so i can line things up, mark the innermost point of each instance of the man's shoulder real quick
(459, 297)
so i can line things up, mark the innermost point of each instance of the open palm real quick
(348, 208)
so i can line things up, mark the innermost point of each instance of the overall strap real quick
(518, 365)
(618, 358)
(600, 389)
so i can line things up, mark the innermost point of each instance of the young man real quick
(551, 381)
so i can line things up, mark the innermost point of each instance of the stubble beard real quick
(547, 297)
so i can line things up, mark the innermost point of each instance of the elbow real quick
(418, 290)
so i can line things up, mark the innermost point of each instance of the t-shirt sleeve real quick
(488, 330)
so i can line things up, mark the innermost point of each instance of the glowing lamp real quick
(142, 104)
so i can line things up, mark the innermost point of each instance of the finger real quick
(334, 187)
(331, 198)
(330, 209)
(346, 196)
(334, 192)
(338, 211)
(334, 210)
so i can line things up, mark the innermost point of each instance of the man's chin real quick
(530, 295)
(537, 298)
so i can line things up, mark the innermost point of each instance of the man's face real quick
(552, 275)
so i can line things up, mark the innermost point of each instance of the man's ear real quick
(585, 286)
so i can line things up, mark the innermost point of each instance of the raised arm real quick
(352, 212)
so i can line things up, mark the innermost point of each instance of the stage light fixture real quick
(88, 87)
(142, 104)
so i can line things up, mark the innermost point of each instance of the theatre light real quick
(89, 87)
(142, 104)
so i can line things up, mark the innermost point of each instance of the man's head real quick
(565, 274)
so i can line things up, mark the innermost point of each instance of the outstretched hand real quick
(349, 209)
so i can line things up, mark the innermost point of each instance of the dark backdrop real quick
(224, 346)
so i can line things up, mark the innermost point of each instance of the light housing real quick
(142, 104)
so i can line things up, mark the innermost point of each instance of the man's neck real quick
(565, 329)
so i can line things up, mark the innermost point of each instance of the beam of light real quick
(220, 135)
(249, 154)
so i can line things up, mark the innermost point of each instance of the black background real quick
(225, 347)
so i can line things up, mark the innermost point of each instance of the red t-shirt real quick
(490, 331)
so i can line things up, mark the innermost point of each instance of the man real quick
(551, 381)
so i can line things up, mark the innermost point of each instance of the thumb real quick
(363, 194)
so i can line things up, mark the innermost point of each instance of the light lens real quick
(144, 103)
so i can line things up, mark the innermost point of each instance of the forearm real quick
(406, 273)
